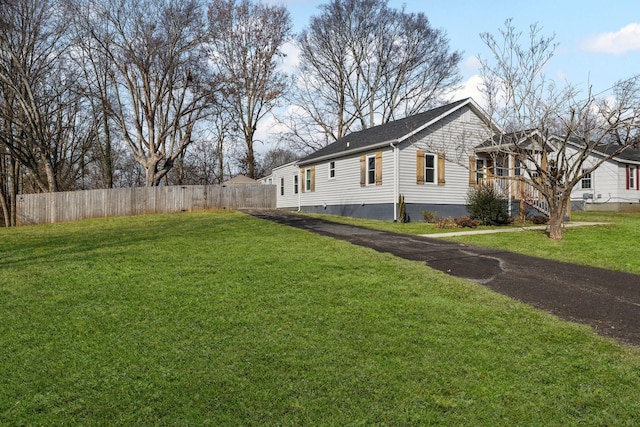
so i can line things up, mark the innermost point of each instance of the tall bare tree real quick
(40, 100)
(247, 40)
(95, 70)
(553, 130)
(363, 63)
(159, 82)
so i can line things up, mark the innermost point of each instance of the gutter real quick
(396, 180)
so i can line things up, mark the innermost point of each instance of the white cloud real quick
(471, 63)
(625, 40)
(292, 58)
(469, 89)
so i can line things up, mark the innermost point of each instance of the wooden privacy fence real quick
(48, 208)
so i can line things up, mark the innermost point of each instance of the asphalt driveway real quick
(607, 300)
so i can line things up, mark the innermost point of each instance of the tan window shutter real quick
(472, 171)
(303, 182)
(420, 167)
(379, 168)
(440, 169)
(313, 178)
(363, 171)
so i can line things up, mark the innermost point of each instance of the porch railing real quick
(520, 190)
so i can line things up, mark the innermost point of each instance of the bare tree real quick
(159, 82)
(246, 40)
(363, 64)
(554, 131)
(95, 70)
(41, 104)
(277, 157)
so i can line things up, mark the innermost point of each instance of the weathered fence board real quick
(48, 208)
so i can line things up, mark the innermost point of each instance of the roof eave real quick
(348, 152)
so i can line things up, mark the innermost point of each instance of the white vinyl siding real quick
(455, 138)
(286, 176)
(345, 188)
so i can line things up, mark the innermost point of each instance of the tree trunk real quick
(52, 183)
(251, 160)
(555, 223)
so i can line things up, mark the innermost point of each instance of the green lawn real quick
(218, 318)
(609, 246)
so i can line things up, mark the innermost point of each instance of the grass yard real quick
(219, 319)
(608, 246)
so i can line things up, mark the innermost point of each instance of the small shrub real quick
(485, 204)
(465, 221)
(403, 209)
(446, 223)
(429, 216)
(539, 219)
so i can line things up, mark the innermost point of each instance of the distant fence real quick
(48, 208)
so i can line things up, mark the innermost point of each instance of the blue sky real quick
(599, 41)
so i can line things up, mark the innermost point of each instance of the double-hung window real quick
(371, 170)
(632, 178)
(295, 184)
(307, 180)
(480, 170)
(282, 186)
(332, 170)
(586, 181)
(430, 168)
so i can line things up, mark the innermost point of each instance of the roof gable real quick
(392, 132)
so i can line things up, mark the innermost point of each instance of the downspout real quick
(299, 190)
(395, 182)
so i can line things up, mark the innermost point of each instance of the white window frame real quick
(295, 183)
(433, 167)
(332, 170)
(371, 170)
(632, 177)
(307, 179)
(586, 183)
(282, 185)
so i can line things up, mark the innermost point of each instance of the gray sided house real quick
(427, 158)
(432, 160)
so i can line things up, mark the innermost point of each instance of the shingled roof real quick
(384, 134)
(629, 153)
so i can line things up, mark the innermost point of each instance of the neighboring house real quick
(241, 179)
(613, 186)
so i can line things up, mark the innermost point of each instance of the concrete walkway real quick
(607, 300)
(509, 229)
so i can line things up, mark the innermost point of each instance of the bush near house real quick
(429, 216)
(485, 204)
(466, 222)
